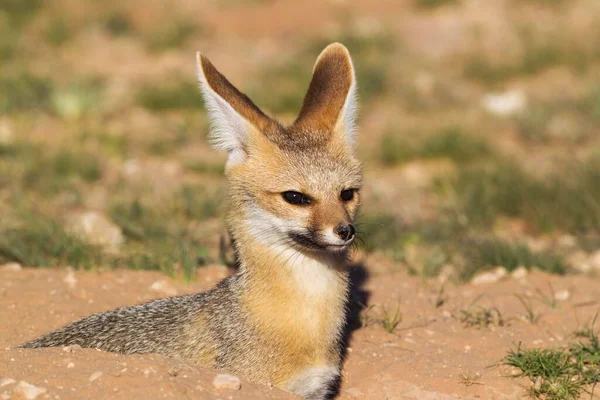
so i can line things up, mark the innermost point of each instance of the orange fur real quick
(294, 297)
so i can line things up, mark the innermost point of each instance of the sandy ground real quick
(430, 355)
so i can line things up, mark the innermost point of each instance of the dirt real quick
(431, 354)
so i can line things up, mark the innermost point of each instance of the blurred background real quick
(479, 127)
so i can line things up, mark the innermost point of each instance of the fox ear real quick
(233, 116)
(330, 103)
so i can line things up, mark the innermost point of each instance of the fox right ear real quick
(233, 116)
(330, 102)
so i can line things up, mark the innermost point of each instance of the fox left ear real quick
(330, 103)
(233, 116)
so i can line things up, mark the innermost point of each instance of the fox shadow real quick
(357, 301)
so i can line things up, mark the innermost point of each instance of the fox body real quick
(293, 194)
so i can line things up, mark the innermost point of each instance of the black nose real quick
(344, 231)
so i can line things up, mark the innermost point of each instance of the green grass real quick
(390, 319)
(117, 24)
(39, 171)
(536, 57)
(78, 99)
(8, 43)
(381, 232)
(489, 253)
(205, 168)
(197, 204)
(592, 103)
(446, 241)
(163, 238)
(41, 241)
(482, 318)
(17, 150)
(50, 174)
(58, 32)
(431, 4)
(171, 35)
(113, 144)
(38, 240)
(560, 374)
(449, 143)
(20, 12)
(182, 94)
(530, 314)
(139, 222)
(161, 233)
(24, 92)
(564, 119)
(548, 3)
(566, 200)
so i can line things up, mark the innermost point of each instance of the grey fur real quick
(161, 326)
(230, 327)
(170, 327)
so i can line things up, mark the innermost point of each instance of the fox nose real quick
(344, 231)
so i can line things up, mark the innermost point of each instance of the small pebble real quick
(490, 276)
(354, 392)
(226, 381)
(6, 381)
(96, 375)
(562, 295)
(520, 273)
(70, 279)
(13, 267)
(163, 287)
(71, 348)
(28, 391)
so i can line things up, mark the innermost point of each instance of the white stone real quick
(96, 375)
(506, 103)
(580, 261)
(149, 371)
(227, 381)
(163, 287)
(28, 391)
(446, 273)
(13, 267)
(96, 229)
(6, 381)
(354, 392)
(490, 276)
(131, 167)
(70, 279)
(594, 261)
(520, 273)
(6, 132)
(562, 295)
(71, 348)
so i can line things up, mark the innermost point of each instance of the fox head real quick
(292, 186)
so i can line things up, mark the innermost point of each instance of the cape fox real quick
(293, 194)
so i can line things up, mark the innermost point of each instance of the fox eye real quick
(347, 194)
(296, 198)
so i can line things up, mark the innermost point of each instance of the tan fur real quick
(333, 75)
(279, 319)
(312, 156)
